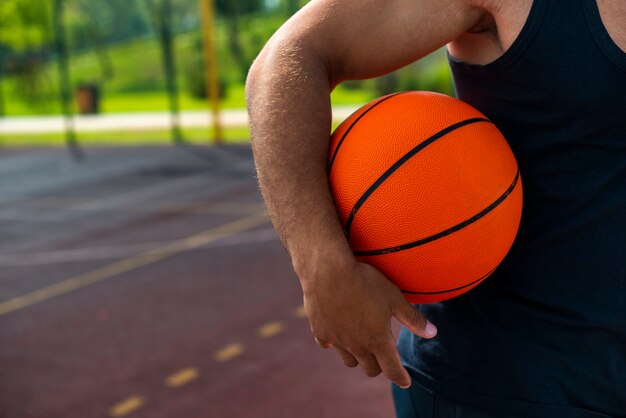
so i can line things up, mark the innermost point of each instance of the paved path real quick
(132, 121)
(147, 282)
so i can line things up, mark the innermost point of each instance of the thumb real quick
(413, 319)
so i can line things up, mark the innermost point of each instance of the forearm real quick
(288, 94)
(349, 304)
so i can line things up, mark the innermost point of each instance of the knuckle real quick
(352, 363)
(359, 352)
(372, 372)
(416, 318)
(322, 343)
(379, 345)
(351, 348)
(393, 375)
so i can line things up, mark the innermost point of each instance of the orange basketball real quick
(428, 191)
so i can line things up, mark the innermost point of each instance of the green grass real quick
(158, 137)
(151, 101)
(138, 85)
(123, 138)
(137, 82)
(157, 101)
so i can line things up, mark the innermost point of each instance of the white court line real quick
(126, 199)
(22, 216)
(122, 251)
(64, 214)
(126, 265)
(129, 197)
(135, 121)
(54, 213)
(135, 196)
(176, 204)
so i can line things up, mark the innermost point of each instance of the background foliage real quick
(113, 44)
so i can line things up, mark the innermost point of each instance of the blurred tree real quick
(114, 21)
(24, 24)
(291, 6)
(186, 15)
(93, 27)
(161, 11)
(24, 39)
(195, 73)
(232, 10)
(243, 7)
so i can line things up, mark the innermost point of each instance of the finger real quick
(348, 359)
(391, 365)
(369, 364)
(412, 318)
(323, 343)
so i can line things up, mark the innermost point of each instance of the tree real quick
(242, 7)
(24, 24)
(24, 38)
(292, 6)
(232, 10)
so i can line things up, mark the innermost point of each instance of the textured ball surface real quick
(428, 191)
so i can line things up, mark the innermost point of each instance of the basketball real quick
(428, 192)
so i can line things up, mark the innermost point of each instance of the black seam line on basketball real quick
(449, 231)
(403, 160)
(410, 292)
(332, 159)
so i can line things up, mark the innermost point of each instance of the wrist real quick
(319, 262)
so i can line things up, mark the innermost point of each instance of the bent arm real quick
(349, 304)
(288, 93)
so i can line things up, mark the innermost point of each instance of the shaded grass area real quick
(157, 137)
(133, 78)
(150, 101)
(198, 136)
(135, 74)
(235, 99)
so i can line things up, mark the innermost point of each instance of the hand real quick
(350, 310)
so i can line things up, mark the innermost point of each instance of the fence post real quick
(166, 37)
(2, 110)
(64, 78)
(207, 24)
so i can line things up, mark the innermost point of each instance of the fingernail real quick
(405, 387)
(430, 330)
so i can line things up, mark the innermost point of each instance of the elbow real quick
(287, 60)
(253, 80)
(263, 73)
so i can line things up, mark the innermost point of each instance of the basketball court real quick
(148, 282)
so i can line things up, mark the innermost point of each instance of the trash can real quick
(88, 98)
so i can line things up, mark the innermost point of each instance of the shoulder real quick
(499, 25)
(357, 39)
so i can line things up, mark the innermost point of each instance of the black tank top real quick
(545, 335)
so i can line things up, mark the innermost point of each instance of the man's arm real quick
(349, 304)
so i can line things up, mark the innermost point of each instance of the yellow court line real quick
(126, 406)
(271, 329)
(299, 312)
(182, 377)
(229, 352)
(132, 263)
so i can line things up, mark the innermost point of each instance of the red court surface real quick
(148, 282)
